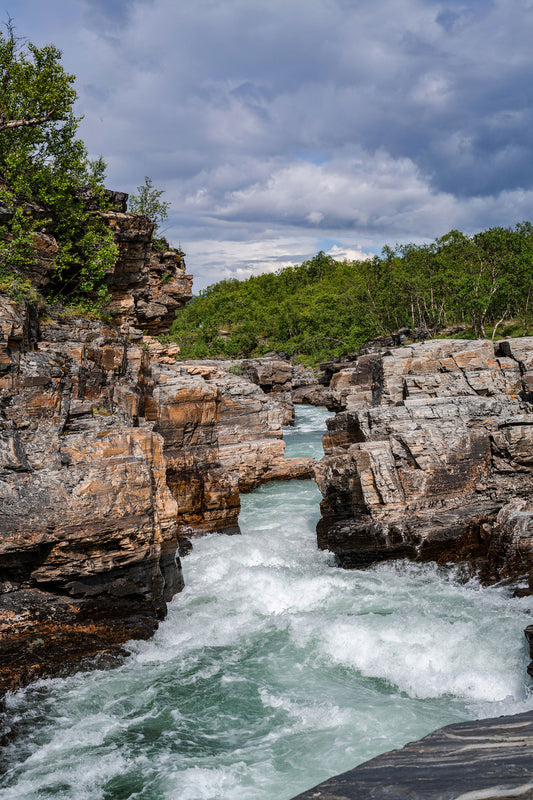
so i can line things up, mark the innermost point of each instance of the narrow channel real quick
(274, 669)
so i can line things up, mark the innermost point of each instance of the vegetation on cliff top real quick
(326, 308)
(43, 166)
(148, 201)
(42, 163)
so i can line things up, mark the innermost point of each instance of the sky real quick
(278, 128)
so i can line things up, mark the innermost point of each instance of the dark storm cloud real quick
(298, 120)
(108, 16)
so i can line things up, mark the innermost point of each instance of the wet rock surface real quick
(481, 760)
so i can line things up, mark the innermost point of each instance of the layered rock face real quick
(112, 454)
(291, 383)
(147, 284)
(186, 411)
(311, 387)
(251, 434)
(109, 457)
(88, 528)
(271, 374)
(432, 458)
(247, 437)
(482, 760)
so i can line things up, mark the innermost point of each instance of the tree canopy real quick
(324, 308)
(42, 162)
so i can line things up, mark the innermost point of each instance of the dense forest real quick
(325, 308)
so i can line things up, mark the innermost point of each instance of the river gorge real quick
(175, 621)
(274, 669)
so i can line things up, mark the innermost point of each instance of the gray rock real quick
(490, 759)
(436, 440)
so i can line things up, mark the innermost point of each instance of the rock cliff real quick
(88, 528)
(222, 436)
(112, 455)
(432, 458)
(149, 283)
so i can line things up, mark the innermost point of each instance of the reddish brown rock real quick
(111, 453)
(186, 411)
(169, 287)
(250, 431)
(288, 469)
(89, 527)
(88, 531)
(147, 285)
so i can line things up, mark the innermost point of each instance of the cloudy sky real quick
(281, 127)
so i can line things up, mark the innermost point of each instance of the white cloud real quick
(277, 124)
(233, 258)
(373, 191)
(340, 253)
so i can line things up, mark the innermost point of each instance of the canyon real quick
(115, 457)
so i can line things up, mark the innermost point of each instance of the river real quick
(273, 670)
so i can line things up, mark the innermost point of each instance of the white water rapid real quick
(273, 671)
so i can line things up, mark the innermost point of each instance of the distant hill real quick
(325, 308)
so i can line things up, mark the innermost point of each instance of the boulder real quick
(488, 758)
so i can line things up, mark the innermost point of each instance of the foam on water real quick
(273, 670)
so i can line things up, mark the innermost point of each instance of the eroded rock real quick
(112, 455)
(435, 440)
(88, 531)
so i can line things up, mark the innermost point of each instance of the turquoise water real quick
(273, 670)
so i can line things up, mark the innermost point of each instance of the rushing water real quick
(273, 670)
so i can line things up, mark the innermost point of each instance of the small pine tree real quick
(148, 201)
